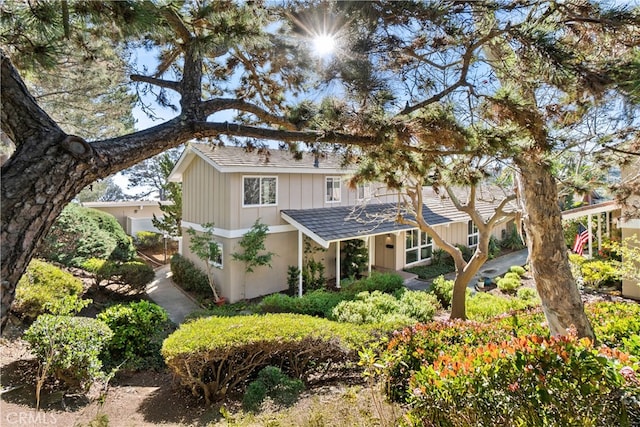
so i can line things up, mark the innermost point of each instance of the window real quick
(418, 246)
(363, 191)
(215, 254)
(259, 190)
(472, 231)
(333, 189)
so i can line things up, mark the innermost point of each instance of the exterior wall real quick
(206, 195)
(123, 211)
(235, 284)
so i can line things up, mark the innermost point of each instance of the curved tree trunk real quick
(550, 269)
(464, 276)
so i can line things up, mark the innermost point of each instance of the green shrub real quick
(520, 271)
(293, 274)
(189, 277)
(41, 287)
(377, 307)
(218, 354)
(527, 294)
(509, 284)
(442, 258)
(148, 240)
(321, 302)
(512, 240)
(467, 252)
(532, 381)
(81, 233)
(484, 306)
(69, 347)
(512, 275)
(272, 382)
(494, 247)
(383, 282)
(613, 323)
(135, 274)
(430, 271)
(597, 273)
(316, 303)
(443, 290)
(138, 329)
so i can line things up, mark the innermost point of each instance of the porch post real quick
(299, 263)
(371, 247)
(590, 237)
(599, 232)
(338, 264)
(608, 226)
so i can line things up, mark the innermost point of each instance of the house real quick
(305, 203)
(133, 216)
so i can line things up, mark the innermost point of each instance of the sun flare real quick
(324, 45)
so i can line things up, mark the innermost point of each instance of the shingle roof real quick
(228, 157)
(348, 222)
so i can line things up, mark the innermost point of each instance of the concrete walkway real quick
(168, 296)
(492, 268)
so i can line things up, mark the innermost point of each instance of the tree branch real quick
(21, 118)
(213, 105)
(168, 84)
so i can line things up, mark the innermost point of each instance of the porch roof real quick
(326, 225)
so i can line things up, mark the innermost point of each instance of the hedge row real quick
(214, 355)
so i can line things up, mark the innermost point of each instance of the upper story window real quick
(363, 191)
(472, 231)
(333, 189)
(418, 246)
(259, 190)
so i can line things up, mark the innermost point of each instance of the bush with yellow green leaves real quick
(212, 356)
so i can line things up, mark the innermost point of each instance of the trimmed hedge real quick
(214, 355)
(41, 286)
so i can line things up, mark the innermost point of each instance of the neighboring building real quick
(300, 199)
(631, 227)
(133, 216)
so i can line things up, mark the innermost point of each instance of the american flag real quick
(581, 239)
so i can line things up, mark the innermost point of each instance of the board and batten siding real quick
(206, 195)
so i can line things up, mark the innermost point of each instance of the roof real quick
(608, 206)
(238, 159)
(326, 225)
(125, 203)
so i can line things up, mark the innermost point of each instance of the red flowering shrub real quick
(532, 381)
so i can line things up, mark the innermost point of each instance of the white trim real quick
(260, 177)
(333, 180)
(236, 234)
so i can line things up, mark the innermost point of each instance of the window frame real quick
(472, 234)
(418, 244)
(333, 180)
(261, 196)
(366, 191)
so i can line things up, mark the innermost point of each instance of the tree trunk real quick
(464, 276)
(556, 286)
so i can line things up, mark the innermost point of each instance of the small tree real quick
(252, 243)
(206, 248)
(356, 258)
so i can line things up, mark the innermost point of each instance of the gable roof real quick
(237, 159)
